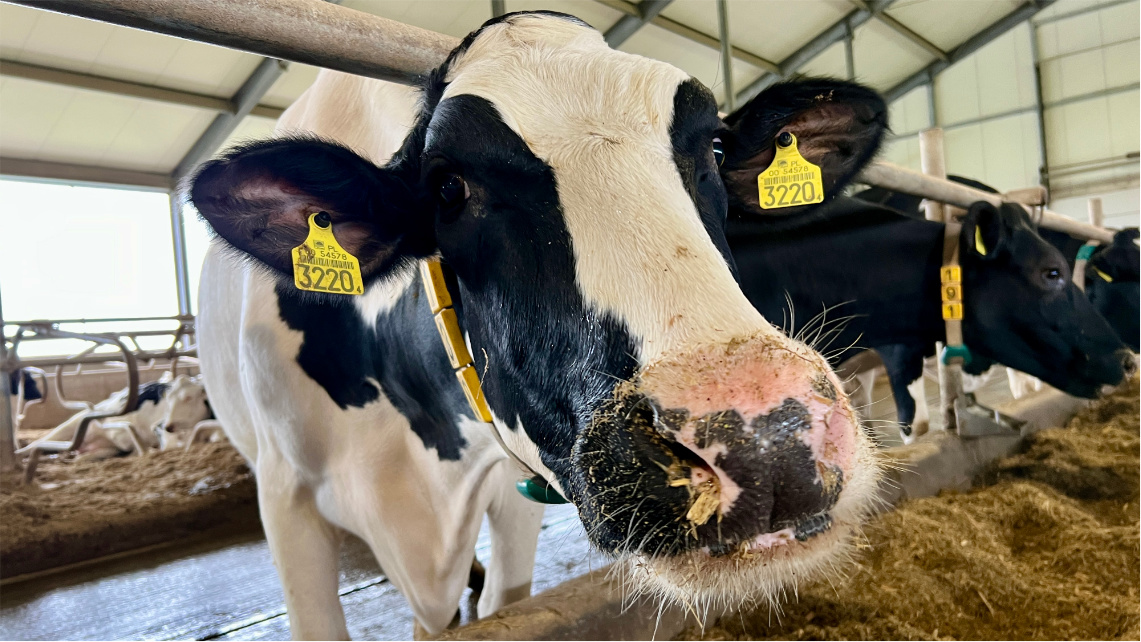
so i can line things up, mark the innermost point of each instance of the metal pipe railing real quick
(313, 32)
(901, 179)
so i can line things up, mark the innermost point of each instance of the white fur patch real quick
(641, 251)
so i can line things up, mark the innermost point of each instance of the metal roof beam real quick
(973, 44)
(107, 85)
(689, 33)
(904, 31)
(74, 173)
(628, 25)
(813, 48)
(223, 125)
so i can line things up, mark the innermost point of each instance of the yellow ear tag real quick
(320, 264)
(980, 247)
(790, 180)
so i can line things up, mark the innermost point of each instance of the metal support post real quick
(1040, 109)
(498, 8)
(726, 56)
(1096, 213)
(178, 238)
(932, 110)
(849, 53)
(950, 376)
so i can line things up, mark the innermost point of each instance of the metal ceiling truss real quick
(629, 24)
(104, 84)
(830, 36)
(972, 44)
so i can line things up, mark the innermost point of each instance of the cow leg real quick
(922, 422)
(514, 523)
(904, 365)
(306, 551)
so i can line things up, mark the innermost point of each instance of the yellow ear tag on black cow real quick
(790, 180)
(320, 264)
(980, 247)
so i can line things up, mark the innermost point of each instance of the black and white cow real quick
(1113, 286)
(880, 269)
(574, 190)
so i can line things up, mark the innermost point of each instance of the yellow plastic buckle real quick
(952, 292)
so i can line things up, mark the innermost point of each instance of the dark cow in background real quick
(1113, 287)
(879, 269)
(575, 192)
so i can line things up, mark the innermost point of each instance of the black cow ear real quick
(986, 229)
(259, 196)
(838, 125)
(1126, 236)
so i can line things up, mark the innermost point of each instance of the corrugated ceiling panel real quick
(831, 62)
(772, 29)
(698, 61)
(252, 128)
(453, 17)
(947, 23)
(75, 44)
(592, 13)
(883, 57)
(46, 122)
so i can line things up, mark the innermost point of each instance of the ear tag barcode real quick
(320, 264)
(790, 180)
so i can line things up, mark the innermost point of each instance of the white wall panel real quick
(910, 113)
(1122, 208)
(996, 79)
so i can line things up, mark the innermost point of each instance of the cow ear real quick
(838, 125)
(986, 229)
(258, 197)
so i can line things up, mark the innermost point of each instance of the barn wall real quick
(1091, 66)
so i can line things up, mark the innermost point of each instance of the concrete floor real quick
(228, 588)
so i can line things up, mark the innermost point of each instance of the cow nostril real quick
(1129, 365)
(169, 428)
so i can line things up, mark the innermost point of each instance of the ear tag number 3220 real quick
(790, 180)
(320, 264)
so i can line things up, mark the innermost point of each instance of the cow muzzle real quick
(729, 450)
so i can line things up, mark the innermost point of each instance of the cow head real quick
(181, 407)
(575, 192)
(1023, 310)
(1112, 285)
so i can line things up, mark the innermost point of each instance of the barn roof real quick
(88, 101)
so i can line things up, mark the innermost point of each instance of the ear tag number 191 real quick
(790, 180)
(320, 264)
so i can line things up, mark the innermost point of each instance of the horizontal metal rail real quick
(307, 31)
(901, 179)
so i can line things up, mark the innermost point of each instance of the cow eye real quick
(453, 192)
(1052, 276)
(718, 151)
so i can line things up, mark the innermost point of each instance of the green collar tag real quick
(954, 352)
(1086, 252)
(537, 490)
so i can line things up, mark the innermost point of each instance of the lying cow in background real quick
(574, 190)
(165, 407)
(879, 269)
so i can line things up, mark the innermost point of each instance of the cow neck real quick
(951, 293)
(434, 275)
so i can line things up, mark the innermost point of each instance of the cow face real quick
(182, 405)
(1112, 285)
(575, 192)
(1018, 287)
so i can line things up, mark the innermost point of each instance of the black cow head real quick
(1113, 288)
(1023, 310)
(576, 193)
